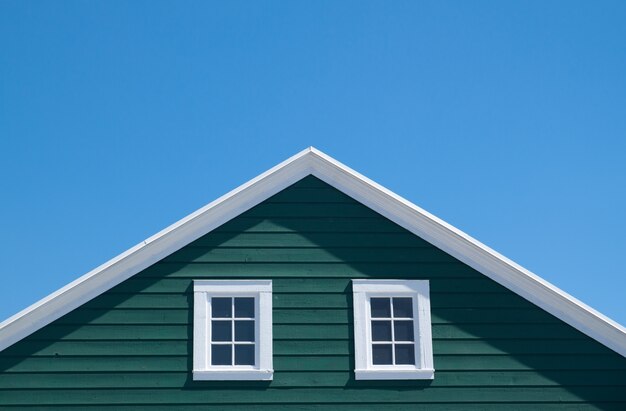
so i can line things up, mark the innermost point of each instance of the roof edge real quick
(473, 253)
(312, 161)
(153, 249)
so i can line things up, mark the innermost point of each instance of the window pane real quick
(221, 307)
(403, 330)
(403, 307)
(381, 330)
(380, 307)
(221, 331)
(405, 354)
(381, 353)
(244, 354)
(221, 354)
(244, 307)
(244, 330)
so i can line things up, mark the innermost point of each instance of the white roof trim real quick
(312, 161)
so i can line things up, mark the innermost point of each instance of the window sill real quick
(417, 374)
(231, 375)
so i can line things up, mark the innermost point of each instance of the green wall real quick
(131, 347)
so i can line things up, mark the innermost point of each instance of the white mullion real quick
(232, 330)
(393, 334)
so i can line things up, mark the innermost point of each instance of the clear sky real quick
(506, 119)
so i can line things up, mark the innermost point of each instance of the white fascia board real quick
(390, 205)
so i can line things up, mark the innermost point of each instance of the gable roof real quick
(313, 162)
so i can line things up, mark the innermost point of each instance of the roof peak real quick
(312, 161)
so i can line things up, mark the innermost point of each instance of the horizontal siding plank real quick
(95, 364)
(370, 406)
(463, 347)
(311, 196)
(311, 363)
(104, 316)
(305, 285)
(303, 395)
(244, 224)
(443, 300)
(298, 347)
(306, 255)
(438, 316)
(176, 332)
(304, 331)
(182, 316)
(308, 210)
(305, 379)
(516, 331)
(311, 240)
(310, 270)
(304, 316)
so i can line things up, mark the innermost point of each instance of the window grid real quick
(391, 319)
(233, 318)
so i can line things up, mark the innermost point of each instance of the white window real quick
(392, 332)
(232, 330)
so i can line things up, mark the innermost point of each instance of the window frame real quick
(418, 290)
(261, 290)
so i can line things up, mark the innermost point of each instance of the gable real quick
(312, 162)
(132, 344)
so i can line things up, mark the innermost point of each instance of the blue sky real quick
(506, 119)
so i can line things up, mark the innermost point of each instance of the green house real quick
(311, 287)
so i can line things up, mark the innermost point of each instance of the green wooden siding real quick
(130, 348)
